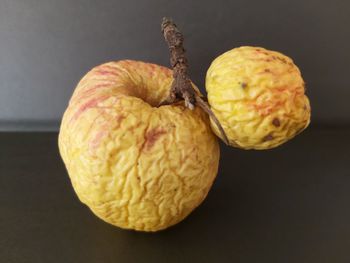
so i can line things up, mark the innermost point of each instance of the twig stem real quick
(181, 88)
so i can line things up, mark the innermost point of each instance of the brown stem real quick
(181, 87)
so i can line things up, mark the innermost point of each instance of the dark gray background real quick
(46, 46)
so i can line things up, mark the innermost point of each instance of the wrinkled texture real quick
(258, 97)
(135, 165)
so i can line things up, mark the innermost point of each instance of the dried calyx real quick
(181, 88)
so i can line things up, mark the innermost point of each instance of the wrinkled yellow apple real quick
(135, 165)
(258, 97)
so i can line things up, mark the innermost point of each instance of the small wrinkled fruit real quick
(134, 164)
(258, 97)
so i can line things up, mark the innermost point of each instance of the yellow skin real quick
(135, 165)
(258, 97)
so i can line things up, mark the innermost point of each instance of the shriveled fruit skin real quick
(258, 96)
(136, 166)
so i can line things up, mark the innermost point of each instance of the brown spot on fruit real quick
(267, 138)
(152, 136)
(243, 85)
(119, 119)
(276, 122)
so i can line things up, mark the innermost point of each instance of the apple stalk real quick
(181, 88)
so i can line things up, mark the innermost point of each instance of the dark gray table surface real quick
(290, 204)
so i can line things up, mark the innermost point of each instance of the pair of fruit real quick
(142, 166)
